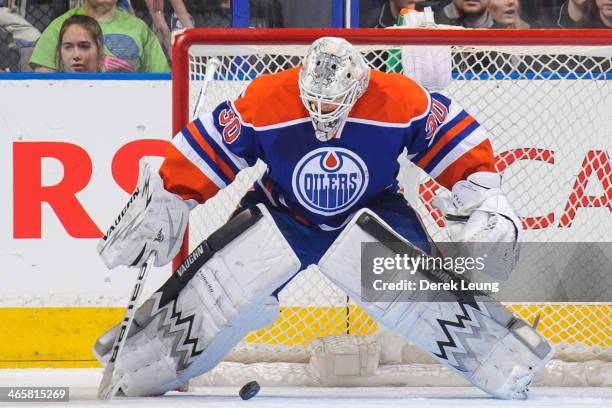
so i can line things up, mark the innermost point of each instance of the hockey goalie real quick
(330, 132)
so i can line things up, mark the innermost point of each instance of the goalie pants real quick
(310, 242)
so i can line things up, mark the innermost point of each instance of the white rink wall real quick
(89, 125)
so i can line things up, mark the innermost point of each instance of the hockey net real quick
(546, 102)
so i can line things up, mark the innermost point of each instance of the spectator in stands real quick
(466, 13)
(18, 40)
(569, 14)
(600, 14)
(381, 14)
(81, 45)
(127, 39)
(505, 14)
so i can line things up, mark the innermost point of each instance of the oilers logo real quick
(329, 180)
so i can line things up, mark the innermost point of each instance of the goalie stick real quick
(109, 385)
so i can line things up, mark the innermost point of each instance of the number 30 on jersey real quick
(231, 125)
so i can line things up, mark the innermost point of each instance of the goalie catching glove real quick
(479, 212)
(152, 220)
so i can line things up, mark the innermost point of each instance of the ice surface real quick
(83, 386)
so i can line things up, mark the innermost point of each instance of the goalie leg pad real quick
(220, 293)
(476, 337)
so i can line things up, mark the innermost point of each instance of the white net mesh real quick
(548, 112)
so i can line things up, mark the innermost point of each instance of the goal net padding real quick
(547, 109)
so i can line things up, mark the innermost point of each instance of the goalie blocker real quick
(474, 335)
(220, 293)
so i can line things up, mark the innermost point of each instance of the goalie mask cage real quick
(544, 97)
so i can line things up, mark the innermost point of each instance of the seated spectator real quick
(20, 36)
(381, 14)
(126, 38)
(81, 45)
(601, 14)
(466, 13)
(569, 14)
(505, 14)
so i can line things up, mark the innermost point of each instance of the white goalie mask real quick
(333, 77)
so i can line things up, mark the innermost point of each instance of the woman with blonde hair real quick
(505, 14)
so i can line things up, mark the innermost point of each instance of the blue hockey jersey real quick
(322, 183)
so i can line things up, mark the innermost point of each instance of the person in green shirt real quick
(129, 45)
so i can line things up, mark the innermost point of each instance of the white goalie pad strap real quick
(184, 334)
(152, 220)
(478, 338)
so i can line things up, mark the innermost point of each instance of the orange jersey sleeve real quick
(208, 153)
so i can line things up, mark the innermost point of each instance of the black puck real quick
(249, 390)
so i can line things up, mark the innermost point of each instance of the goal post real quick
(545, 99)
